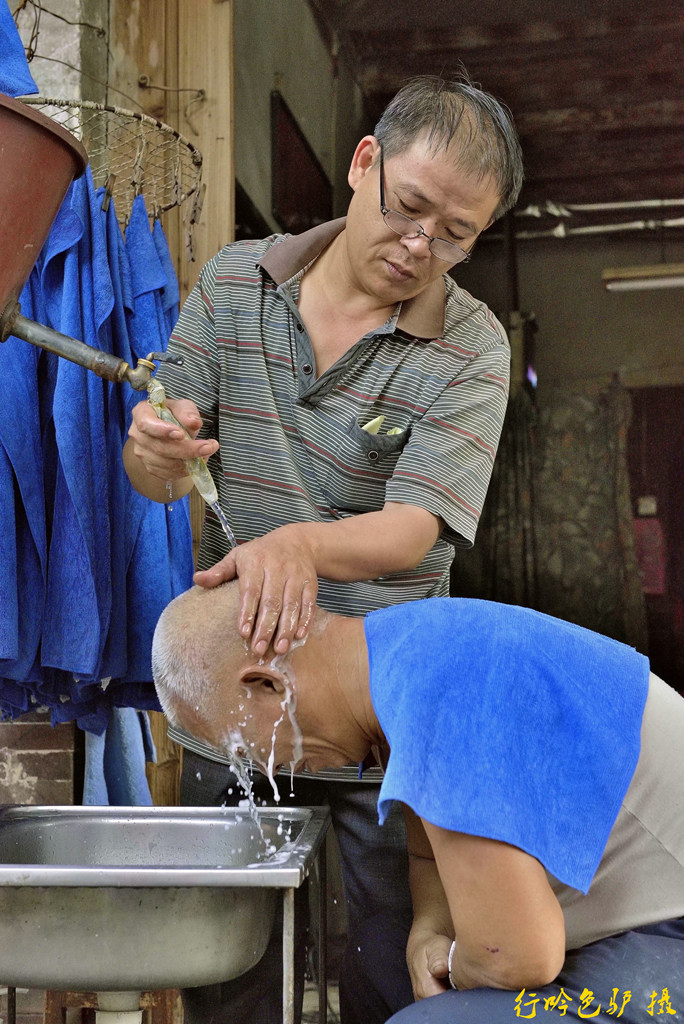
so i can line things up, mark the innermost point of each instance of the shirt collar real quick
(420, 317)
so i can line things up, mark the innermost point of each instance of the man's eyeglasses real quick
(409, 228)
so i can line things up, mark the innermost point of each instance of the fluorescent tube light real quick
(629, 279)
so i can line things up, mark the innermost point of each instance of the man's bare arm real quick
(427, 949)
(279, 572)
(508, 925)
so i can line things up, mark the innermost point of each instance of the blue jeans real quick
(636, 977)
(374, 979)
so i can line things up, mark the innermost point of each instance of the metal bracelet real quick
(449, 963)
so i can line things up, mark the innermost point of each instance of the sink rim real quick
(285, 869)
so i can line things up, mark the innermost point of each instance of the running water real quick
(221, 516)
(235, 746)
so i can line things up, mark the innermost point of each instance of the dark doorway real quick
(656, 469)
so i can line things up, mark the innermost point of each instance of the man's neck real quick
(346, 652)
(333, 277)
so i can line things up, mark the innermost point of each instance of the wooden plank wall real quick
(184, 48)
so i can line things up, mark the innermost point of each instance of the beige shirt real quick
(640, 879)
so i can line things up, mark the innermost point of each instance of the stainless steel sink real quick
(105, 898)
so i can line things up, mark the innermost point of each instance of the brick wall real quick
(36, 761)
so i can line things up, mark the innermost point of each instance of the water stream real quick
(221, 516)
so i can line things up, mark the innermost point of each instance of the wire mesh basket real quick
(130, 153)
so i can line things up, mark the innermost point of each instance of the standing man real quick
(352, 396)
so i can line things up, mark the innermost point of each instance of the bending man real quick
(539, 766)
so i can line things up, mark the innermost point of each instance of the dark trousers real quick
(374, 979)
(636, 978)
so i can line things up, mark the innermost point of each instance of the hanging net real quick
(130, 153)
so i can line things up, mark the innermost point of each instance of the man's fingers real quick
(250, 593)
(163, 447)
(437, 963)
(219, 573)
(307, 607)
(270, 608)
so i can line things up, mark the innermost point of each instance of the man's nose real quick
(419, 246)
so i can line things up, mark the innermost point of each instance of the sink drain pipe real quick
(118, 1008)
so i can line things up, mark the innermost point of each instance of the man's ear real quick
(362, 160)
(262, 679)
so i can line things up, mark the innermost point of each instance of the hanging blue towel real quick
(126, 505)
(9, 597)
(78, 300)
(170, 293)
(15, 77)
(507, 723)
(22, 504)
(86, 563)
(115, 761)
(162, 562)
(147, 326)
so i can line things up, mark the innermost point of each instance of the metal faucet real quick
(104, 364)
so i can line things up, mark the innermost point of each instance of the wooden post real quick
(205, 63)
(182, 53)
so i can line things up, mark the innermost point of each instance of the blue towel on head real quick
(115, 761)
(15, 77)
(507, 723)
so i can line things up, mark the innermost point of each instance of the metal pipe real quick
(104, 364)
(118, 1008)
(567, 209)
(561, 230)
(322, 935)
(288, 956)
(635, 204)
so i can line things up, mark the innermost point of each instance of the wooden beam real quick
(658, 115)
(611, 187)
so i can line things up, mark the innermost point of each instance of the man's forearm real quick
(430, 907)
(372, 544)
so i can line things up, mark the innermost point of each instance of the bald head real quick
(197, 650)
(212, 685)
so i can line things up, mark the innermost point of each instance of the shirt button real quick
(373, 456)
(307, 368)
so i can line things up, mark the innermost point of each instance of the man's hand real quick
(158, 449)
(279, 572)
(427, 956)
(278, 586)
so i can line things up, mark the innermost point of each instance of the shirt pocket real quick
(361, 466)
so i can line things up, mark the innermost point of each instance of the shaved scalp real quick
(197, 648)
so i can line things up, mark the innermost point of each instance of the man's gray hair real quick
(195, 638)
(457, 110)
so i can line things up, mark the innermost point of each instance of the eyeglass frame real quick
(420, 230)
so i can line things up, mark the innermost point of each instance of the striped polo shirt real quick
(293, 447)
